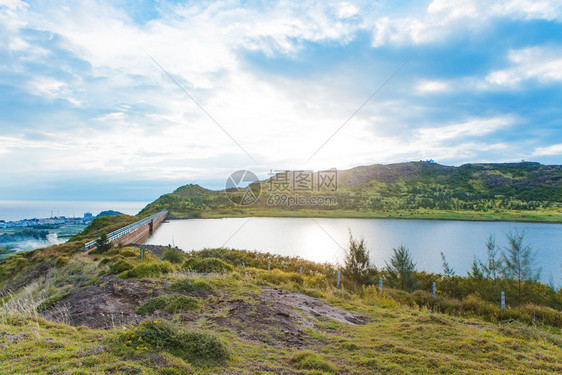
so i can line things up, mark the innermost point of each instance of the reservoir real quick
(322, 239)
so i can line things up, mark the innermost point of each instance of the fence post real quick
(142, 252)
(503, 300)
(434, 290)
(338, 285)
(380, 284)
(300, 271)
(269, 266)
(243, 266)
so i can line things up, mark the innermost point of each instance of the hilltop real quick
(525, 191)
(222, 311)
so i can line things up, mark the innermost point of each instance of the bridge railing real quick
(128, 229)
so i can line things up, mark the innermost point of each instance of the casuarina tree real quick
(519, 261)
(357, 265)
(401, 270)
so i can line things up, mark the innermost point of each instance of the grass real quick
(405, 333)
(397, 340)
(169, 303)
(532, 216)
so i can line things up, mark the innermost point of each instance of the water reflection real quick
(308, 238)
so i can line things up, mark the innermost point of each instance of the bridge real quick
(133, 233)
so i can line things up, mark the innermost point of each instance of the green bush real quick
(181, 303)
(173, 255)
(169, 303)
(191, 286)
(207, 265)
(147, 270)
(120, 266)
(153, 304)
(279, 277)
(61, 261)
(194, 347)
(311, 361)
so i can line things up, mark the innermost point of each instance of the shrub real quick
(173, 255)
(193, 347)
(120, 266)
(153, 304)
(311, 361)
(278, 277)
(147, 270)
(181, 303)
(191, 286)
(61, 261)
(207, 265)
(169, 303)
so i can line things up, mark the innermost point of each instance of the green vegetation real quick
(147, 270)
(207, 265)
(242, 323)
(401, 270)
(191, 286)
(311, 361)
(511, 191)
(169, 303)
(103, 244)
(357, 268)
(173, 255)
(193, 347)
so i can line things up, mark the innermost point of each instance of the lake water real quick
(322, 239)
(17, 210)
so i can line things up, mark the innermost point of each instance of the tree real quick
(475, 271)
(103, 244)
(447, 271)
(357, 265)
(401, 270)
(519, 261)
(494, 262)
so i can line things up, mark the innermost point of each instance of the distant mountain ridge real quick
(378, 190)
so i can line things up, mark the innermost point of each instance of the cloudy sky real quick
(91, 105)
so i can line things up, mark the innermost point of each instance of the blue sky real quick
(86, 114)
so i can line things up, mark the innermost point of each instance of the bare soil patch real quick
(110, 303)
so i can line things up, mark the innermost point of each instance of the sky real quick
(127, 100)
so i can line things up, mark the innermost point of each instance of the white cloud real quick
(425, 86)
(139, 122)
(471, 128)
(444, 18)
(549, 150)
(543, 64)
(51, 88)
(347, 10)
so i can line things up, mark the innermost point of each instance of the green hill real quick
(524, 191)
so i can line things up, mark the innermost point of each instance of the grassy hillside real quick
(153, 317)
(223, 312)
(511, 191)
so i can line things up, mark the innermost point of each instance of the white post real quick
(269, 266)
(380, 284)
(300, 271)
